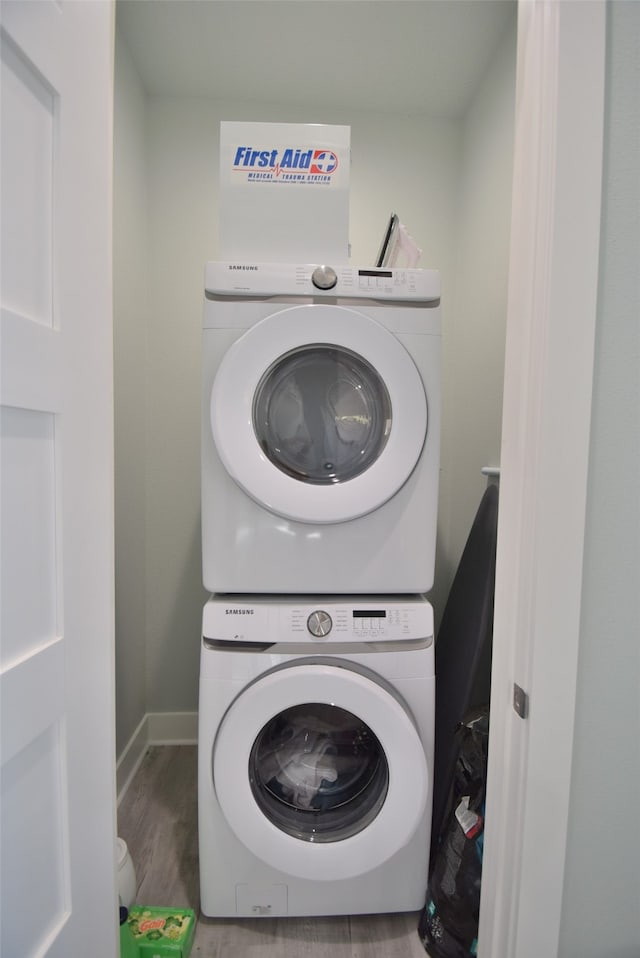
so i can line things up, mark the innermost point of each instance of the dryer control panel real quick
(327, 619)
(322, 279)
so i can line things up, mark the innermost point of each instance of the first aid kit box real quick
(284, 192)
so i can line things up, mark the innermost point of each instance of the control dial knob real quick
(324, 277)
(319, 623)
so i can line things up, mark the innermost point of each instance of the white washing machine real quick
(315, 755)
(320, 428)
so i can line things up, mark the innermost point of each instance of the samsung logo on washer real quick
(239, 611)
(245, 268)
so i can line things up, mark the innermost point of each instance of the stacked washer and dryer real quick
(320, 467)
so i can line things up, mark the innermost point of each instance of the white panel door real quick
(56, 652)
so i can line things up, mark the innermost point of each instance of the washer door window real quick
(319, 413)
(322, 414)
(318, 773)
(319, 770)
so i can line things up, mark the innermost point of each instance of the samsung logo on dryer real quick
(239, 611)
(252, 269)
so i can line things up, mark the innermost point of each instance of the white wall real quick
(130, 270)
(601, 914)
(473, 345)
(424, 169)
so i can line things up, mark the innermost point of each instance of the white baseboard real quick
(129, 760)
(173, 728)
(156, 728)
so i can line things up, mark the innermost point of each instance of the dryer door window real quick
(319, 413)
(318, 772)
(322, 414)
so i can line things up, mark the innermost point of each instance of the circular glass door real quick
(319, 770)
(322, 414)
(318, 413)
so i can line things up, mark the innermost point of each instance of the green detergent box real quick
(161, 932)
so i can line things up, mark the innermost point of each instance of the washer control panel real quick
(326, 619)
(322, 279)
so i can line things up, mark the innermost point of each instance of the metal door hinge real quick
(520, 701)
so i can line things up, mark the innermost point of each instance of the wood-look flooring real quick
(158, 820)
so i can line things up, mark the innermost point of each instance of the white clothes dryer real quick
(320, 429)
(315, 754)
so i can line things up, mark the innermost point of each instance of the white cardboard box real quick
(284, 192)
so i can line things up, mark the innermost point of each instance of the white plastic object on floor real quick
(126, 874)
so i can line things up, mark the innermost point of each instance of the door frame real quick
(551, 316)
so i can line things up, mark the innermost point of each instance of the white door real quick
(320, 771)
(551, 322)
(319, 413)
(56, 657)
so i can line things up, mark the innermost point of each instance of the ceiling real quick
(394, 56)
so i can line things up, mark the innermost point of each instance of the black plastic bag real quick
(448, 924)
